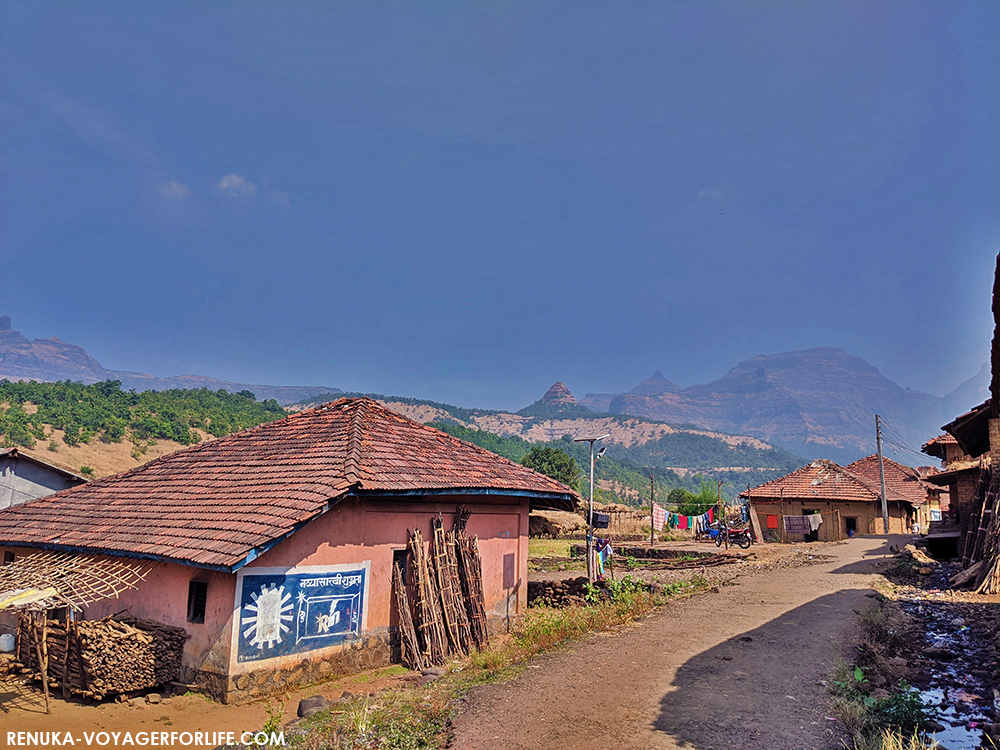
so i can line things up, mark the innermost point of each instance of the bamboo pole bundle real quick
(462, 609)
(433, 638)
(451, 602)
(980, 521)
(988, 581)
(470, 573)
(409, 645)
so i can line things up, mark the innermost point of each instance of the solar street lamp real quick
(590, 516)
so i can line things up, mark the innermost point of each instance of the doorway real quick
(811, 536)
(851, 524)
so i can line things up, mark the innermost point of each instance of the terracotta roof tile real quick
(825, 480)
(216, 502)
(905, 481)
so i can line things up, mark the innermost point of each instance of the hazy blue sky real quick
(468, 201)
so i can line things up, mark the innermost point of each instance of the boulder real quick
(313, 705)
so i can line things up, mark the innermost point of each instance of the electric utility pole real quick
(652, 503)
(881, 473)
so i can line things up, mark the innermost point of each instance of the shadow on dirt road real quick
(762, 688)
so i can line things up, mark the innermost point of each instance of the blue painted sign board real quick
(283, 612)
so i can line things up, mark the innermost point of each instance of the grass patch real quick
(871, 696)
(391, 671)
(418, 719)
(550, 547)
(888, 739)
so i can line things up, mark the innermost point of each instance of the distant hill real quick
(557, 401)
(969, 394)
(678, 455)
(51, 360)
(817, 403)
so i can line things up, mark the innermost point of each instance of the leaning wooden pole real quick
(42, 661)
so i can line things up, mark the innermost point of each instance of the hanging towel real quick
(683, 522)
(711, 516)
(659, 517)
(814, 521)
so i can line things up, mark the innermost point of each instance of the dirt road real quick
(738, 669)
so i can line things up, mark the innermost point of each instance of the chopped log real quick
(965, 577)
(101, 657)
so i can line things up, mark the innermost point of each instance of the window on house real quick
(8, 558)
(401, 558)
(197, 598)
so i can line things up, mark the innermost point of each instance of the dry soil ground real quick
(736, 669)
(22, 708)
(742, 668)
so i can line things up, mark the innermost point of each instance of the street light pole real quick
(590, 515)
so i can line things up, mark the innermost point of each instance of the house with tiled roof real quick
(316, 505)
(964, 450)
(911, 483)
(848, 502)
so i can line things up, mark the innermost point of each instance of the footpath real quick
(741, 668)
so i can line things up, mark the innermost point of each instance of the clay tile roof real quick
(903, 480)
(822, 480)
(935, 446)
(216, 503)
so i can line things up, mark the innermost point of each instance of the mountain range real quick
(816, 403)
(52, 359)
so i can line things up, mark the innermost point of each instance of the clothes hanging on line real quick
(659, 517)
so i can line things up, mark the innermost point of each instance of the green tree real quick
(553, 463)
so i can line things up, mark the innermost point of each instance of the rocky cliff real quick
(817, 403)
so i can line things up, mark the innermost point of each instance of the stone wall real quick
(364, 653)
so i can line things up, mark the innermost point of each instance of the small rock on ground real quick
(313, 705)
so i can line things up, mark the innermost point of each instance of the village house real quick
(24, 477)
(906, 482)
(848, 502)
(964, 451)
(274, 546)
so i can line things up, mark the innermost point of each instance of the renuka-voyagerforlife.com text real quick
(143, 739)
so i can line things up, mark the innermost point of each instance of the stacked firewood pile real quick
(446, 613)
(95, 658)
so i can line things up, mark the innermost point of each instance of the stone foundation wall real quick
(368, 652)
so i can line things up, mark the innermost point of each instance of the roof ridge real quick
(353, 463)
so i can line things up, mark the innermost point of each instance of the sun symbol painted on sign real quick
(267, 616)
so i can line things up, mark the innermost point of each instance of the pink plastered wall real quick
(358, 530)
(163, 597)
(352, 532)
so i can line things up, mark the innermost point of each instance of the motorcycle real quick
(739, 537)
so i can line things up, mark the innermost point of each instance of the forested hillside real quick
(30, 412)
